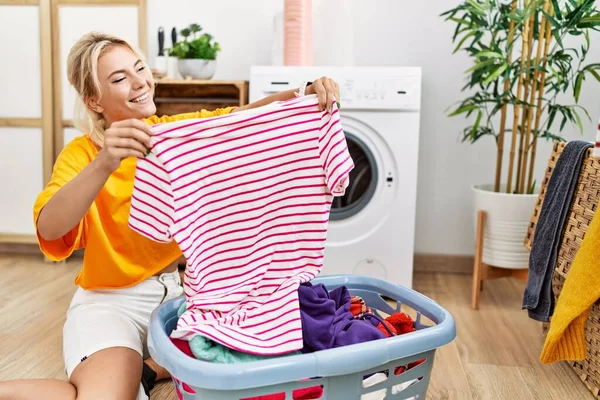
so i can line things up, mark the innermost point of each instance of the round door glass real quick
(363, 181)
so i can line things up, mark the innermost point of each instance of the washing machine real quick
(372, 227)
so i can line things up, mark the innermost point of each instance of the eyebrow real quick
(122, 71)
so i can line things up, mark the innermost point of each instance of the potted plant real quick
(521, 64)
(197, 53)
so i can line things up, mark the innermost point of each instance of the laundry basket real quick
(340, 371)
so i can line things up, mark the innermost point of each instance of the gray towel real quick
(538, 297)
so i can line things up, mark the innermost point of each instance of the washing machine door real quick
(371, 189)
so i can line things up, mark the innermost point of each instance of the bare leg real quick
(26, 389)
(161, 373)
(109, 374)
(113, 373)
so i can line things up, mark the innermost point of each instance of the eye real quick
(141, 68)
(119, 80)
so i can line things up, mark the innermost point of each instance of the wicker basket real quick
(581, 212)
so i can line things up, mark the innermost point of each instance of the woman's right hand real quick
(127, 138)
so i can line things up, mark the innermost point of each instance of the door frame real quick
(45, 122)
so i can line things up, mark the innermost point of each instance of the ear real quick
(93, 105)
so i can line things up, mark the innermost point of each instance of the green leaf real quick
(460, 21)
(481, 65)
(464, 109)
(578, 82)
(557, 9)
(477, 9)
(476, 126)
(552, 115)
(490, 54)
(595, 74)
(496, 74)
(579, 123)
(563, 123)
(462, 41)
(554, 22)
(532, 188)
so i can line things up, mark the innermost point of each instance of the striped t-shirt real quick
(247, 197)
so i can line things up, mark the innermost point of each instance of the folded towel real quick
(538, 297)
(566, 338)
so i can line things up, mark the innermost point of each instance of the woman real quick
(86, 205)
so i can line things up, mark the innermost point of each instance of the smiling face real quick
(126, 85)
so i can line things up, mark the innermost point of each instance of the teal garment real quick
(208, 350)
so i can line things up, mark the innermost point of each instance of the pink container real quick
(297, 32)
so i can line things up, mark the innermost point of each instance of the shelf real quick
(188, 95)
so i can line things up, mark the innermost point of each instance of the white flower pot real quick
(506, 223)
(197, 68)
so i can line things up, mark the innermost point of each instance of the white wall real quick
(379, 33)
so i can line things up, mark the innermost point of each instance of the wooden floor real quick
(495, 355)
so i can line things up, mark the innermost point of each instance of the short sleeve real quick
(70, 162)
(333, 152)
(155, 119)
(152, 206)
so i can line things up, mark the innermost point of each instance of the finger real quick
(321, 94)
(132, 144)
(123, 153)
(337, 93)
(135, 133)
(133, 123)
(330, 93)
(142, 126)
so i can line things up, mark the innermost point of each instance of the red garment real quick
(397, 323)
(315, 392)
(358, 307)
(403, 368)
(184, 346)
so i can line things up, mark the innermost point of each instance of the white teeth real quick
(141, 98)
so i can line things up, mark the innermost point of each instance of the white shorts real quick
(100, 319)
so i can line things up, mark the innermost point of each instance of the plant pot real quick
(197, 68)
(506, 223)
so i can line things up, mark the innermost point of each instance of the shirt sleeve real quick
(152, 205)
(198, 114)
(71, 161)
(333, 152)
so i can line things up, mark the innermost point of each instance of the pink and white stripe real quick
(247, 198)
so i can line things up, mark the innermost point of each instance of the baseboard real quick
(443, 263)
(440, 263)
(20, 248)
(31, 249)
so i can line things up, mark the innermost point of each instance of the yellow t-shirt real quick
(115, 256)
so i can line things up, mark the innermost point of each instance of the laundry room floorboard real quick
(495, 355)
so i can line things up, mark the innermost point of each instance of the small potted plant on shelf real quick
(197, 53)
(527, 55)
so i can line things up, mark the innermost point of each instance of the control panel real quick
(387, 88)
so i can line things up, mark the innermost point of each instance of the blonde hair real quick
(82, 72)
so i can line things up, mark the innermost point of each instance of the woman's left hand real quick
(327, 90)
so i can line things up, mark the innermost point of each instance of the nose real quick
(138, 82)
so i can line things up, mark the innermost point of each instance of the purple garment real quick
(327, 321)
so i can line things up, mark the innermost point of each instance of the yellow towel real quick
(566, 337)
